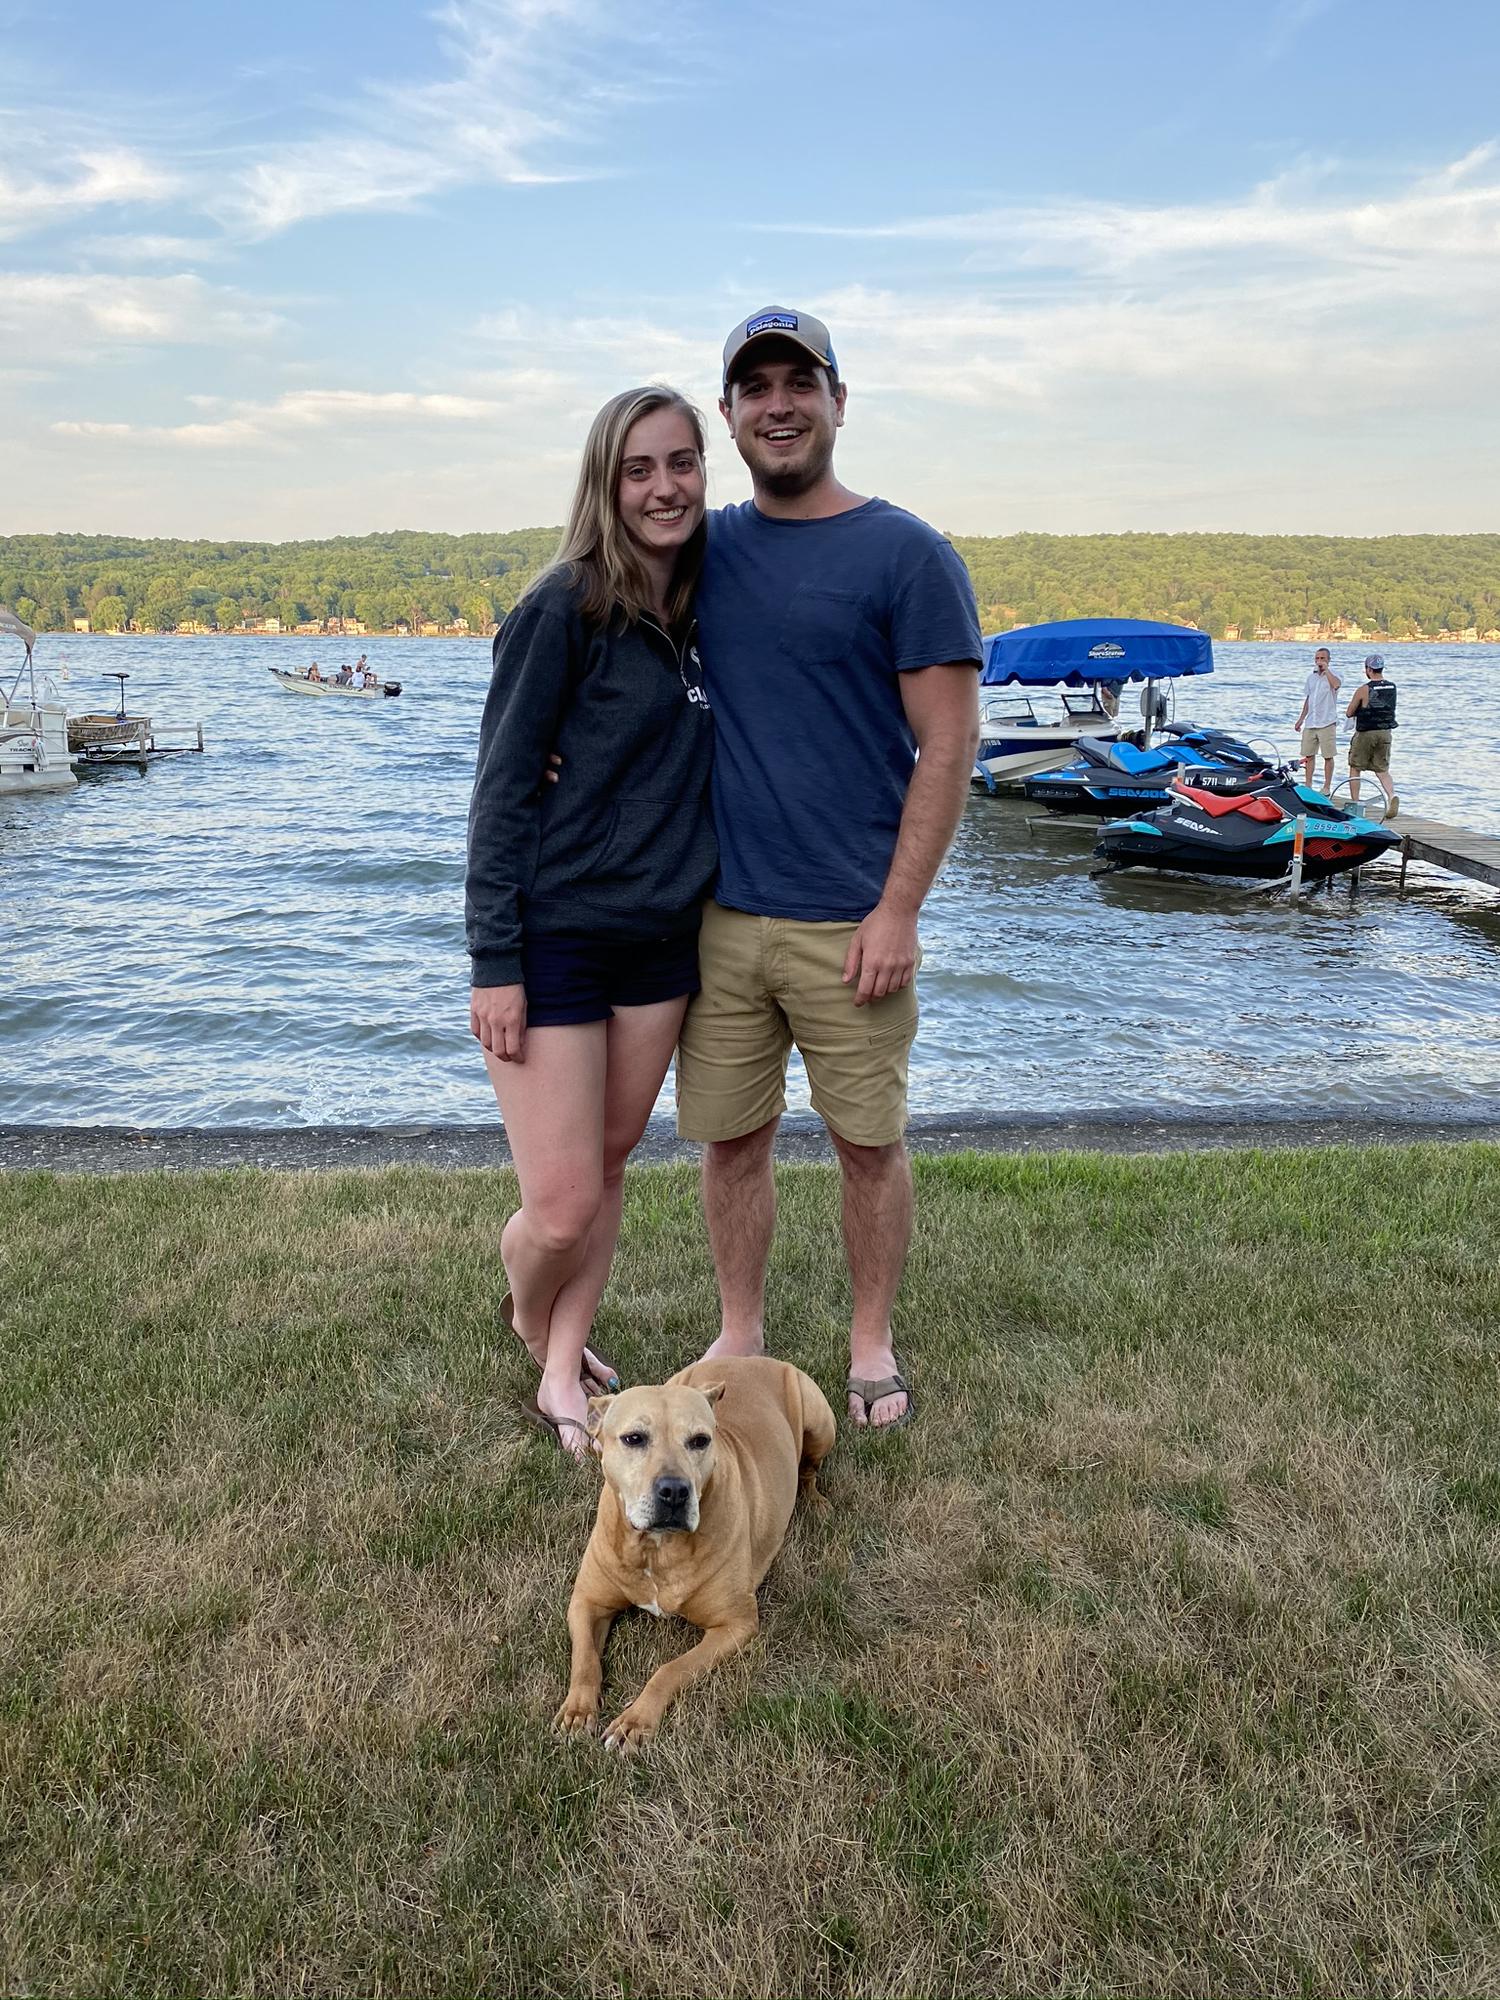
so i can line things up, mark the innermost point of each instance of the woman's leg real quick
(640, 1045)
(553, 1105)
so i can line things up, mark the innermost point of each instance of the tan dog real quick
(700, 1479)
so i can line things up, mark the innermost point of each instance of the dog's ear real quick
(712, 1393)
(598, 1410)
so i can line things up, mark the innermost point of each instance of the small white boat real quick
(1015, 742)
(346, 690)
(1088, 661)
(33, 725)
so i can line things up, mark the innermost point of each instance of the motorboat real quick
(33, 723)
(107, 729)
(1108, 779)
(1088, 661)
(1236, 826)
(295, 683)
(1014, 740)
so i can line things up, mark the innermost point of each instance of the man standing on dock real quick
(1318, 720)
(1373, 708)
(839, 637)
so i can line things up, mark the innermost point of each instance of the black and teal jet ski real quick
(1242, 826)
(1108, 778)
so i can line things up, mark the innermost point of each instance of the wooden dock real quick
(141, 747)
(1476, 855)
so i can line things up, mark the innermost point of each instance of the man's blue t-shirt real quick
(804, 627)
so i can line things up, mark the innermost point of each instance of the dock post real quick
(1297, 841)
(1405, 857)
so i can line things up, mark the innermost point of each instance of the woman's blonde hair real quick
(609, 573)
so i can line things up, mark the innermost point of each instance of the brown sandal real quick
(870, 1392)
(606, 1383)
(535, 1414)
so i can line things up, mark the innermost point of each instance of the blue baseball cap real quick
(1375, 663)
(780, 323)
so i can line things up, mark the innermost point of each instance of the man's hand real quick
(497, 1018)
(882, 954)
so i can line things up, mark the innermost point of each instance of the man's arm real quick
(1334, 680)
(1357, 699)
(942, 707)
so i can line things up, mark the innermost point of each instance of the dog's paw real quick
(631, 1730)
(578, 1716)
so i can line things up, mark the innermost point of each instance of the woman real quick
(583, 896)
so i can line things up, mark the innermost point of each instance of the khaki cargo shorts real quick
(1320, 742)
(769, 982)
(1370, 750)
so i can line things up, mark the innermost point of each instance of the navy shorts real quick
(573, 979)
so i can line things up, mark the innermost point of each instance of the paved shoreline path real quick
(113, 1149)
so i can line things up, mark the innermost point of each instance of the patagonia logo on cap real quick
(771, 323)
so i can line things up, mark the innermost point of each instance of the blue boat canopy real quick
(1076, 652)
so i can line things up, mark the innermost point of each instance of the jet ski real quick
(1238, 826)
(1107, 778)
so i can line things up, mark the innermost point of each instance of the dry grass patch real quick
(1160, 1657)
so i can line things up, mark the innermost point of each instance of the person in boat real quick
(1318, 717)
(1109, 698)
(345, 675)
(582, 900)
(1372, 707)
(312, 672)
(367, 678)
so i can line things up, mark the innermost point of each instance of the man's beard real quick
(788, 481)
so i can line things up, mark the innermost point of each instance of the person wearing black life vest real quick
(1372, 708)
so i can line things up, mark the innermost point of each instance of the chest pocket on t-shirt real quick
(821, 627)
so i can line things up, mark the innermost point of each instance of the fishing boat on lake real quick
(296, 683)
(1087, 662)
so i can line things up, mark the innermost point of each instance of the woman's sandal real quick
(535, 1414)
(605, 1383)
(870, 1393)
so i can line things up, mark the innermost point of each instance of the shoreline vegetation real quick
(1159, 1656)
(1441, 588)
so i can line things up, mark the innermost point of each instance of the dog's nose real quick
(673, 1494)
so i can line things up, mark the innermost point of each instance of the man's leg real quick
(1327, 776)
(739, 1205)
(877, 1217)
(857, 1060)
(731, 1090)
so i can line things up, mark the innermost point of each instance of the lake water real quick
(271, 934)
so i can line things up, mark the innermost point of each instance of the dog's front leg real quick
(638, 1723)
(588, 1626)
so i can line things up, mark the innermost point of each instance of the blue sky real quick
(300, 270)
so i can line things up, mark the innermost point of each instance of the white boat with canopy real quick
(1087, 661)
(33, 722)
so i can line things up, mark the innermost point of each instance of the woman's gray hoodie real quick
(622, 846)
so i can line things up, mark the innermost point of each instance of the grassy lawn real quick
(1162, 1656)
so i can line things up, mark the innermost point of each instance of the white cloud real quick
(1451, 214)
(301, 411)
(110, 176)
(483, 122)
(64, 313)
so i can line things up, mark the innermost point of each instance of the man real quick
(1318, 720)
(839, 637)
(1373, 707)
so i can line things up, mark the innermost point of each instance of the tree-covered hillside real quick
(1401, 584)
